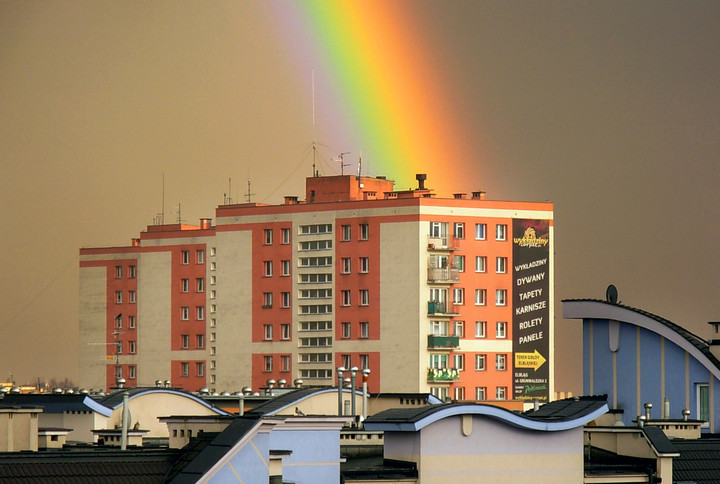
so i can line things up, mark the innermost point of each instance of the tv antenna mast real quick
(341, 159)
(248, 194)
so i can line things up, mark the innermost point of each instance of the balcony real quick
(442, 374)
(443, 342)
(446, 275)
(439, 243)
(440, 309)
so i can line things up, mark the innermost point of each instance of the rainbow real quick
(391, 96)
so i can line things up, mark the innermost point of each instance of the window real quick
(479, 362)
(200, 256)
(439, 361)
(199, 313)
(316, 326)
(315, 293)
(346, 330)
(364, 330)
(346, 361)
(500, 297)
(480, 327)
(315, 261)
(200, 340)
(213, 364)
(285, 331)
(132, 347)
(213, 308)
(480, 263)
(213, 336)
(459, 230)
(268, 331)
(364, 231)
(480, 393)
(480, 231)
(316, 245)
(500, 362)
(439, 328)
(501, 329)
(118, 297)
(185, 254)
(268, 236)
(459, 261)
(346, 232)
(268, 360)
(438, 230)
(364, 362)
(132, 372)
(213, 321)
(212, 351)
(459, 393)
(118, 272)
(285, 235)
(200, 368)
(285, 267)
(319, 341)
(213, 279)
(315, 357)
(480, 295)
(315, 278)
(364, 297)
(501, 232)
(315, 374)
(213, 294)
(702, 391)
(345, 265)
(118, 321)
(184, 285)
(131, 322)
(500, 393)
(185, 313)
(267, 268)
(118, 372)
(459, 329)
(316, 229)
(213, 266)
(501, 265)
(119, 347)
(285, 299)
(185, 341)
(212, 379)
(345, 297)
(213, 251)
(267, 300)
(364, 265)
(200, 284)
(316, 309)
(132, 295)
(133, 272)
(459, 362)
(458, 295)
(285, 363)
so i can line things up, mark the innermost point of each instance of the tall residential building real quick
(445, 295)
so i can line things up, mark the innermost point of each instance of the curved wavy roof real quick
(690, 342)
(551, 417)
(115, 400)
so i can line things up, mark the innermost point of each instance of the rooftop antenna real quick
(359, 164)
(179, 219)
(342, 162)
(248, 194)
(314, 149)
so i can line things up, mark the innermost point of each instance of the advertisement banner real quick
(531, 309)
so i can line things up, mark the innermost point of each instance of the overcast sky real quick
(611, 110)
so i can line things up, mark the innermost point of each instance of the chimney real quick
(421, 177)
(291, 200)
(136, 242)
(459, 196)
(480, 194)
(205, 223)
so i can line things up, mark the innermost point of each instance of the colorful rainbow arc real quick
(385, 83)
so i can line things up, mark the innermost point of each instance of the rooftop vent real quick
(421, 177)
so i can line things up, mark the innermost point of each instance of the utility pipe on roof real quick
(125, 421)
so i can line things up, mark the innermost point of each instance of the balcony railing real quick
(446, 274)
(440, 308)
(438, 342)
(442, 374)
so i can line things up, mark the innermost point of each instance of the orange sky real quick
(608, 109)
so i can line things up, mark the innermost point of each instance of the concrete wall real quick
(154, 317)
(19, 430)
(92, 327)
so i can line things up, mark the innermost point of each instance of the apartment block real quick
(445, 295)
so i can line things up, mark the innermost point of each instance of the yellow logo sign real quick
(529, 239)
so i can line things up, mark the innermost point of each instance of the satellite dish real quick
(611, 294)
